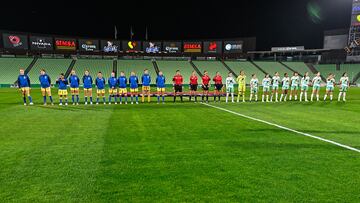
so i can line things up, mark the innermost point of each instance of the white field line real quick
(285, 128)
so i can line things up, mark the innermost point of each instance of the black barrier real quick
(88, 45)
(15, 41)
(110, 46)
(40, 43)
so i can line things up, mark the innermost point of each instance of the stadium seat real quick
(247, 67)
(351, 69)
(300, 67)
(53, 68)
(212, 67)
(9, 68)
(272, 67)
(138, 66)
(169, 68)
(94, 66)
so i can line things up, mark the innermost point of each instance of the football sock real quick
(24, 99)
(30, 99)
(44, 97)
(73, 98)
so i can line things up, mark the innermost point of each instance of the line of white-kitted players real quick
(271, 87)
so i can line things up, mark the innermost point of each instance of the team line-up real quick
(118, 87)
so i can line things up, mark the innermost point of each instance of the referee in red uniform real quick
(205, 86)
(218, 85)
(178, 82)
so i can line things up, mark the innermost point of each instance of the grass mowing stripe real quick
(285, 128)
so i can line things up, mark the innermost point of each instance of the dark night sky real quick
(273, 22)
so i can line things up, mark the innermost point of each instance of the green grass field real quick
(182, 152)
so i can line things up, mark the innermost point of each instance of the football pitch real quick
(182, 152)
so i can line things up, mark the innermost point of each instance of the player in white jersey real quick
(344, 85)
(330, 84)
(275, 87)
(230, 81)
(305, 80)
(254, 82)
(295, 80)
(285, 87)
(266, 87)
(316, 82)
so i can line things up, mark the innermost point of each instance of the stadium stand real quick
(138, 66)
(94, 66)
(169, 68)
(300, 67)
(9, 68)
(325, 69)
(351, 69)
(246, 66)
(272, 67)
(212, 67)
(53, 68)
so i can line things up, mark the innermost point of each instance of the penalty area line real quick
(285, 128)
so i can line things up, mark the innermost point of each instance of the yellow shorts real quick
(74, 89)
(113, 91)
(102, 91)
(134, 90)
(242, 88)
(63, 92)
(46, 90)
(160, 89)
(122, 91)
(88, 89)
(146, 88)
(25, 90)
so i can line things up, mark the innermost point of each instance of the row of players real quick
(118, 87)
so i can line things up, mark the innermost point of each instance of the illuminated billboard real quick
(172, 47)
(65, 44)
(192, 47)
(233, 46)
(14, 41)
(151, 47)
(41, 43)
(212, 47)
(131, 46)
(110, 46)
(88, 45)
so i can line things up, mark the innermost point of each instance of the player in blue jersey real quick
(160, 86)
(74, 81)
(23, 82)
(122, 86)
(100, 87)
(134, 87)
(113, 81)
(87, 81)
(62, 82)
(45, 83)
(145, 80)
